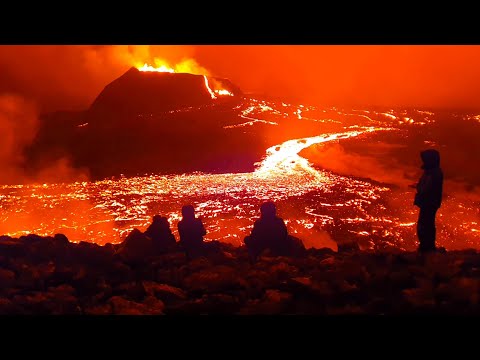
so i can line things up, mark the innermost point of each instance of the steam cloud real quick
(19, 123)
(334, 158)
(18, 127)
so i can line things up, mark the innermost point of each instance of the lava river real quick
(319, 206)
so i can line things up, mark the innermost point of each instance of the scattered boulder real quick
(133, 290)
(92, 254)
(12, 248)
(348, 247)
(215, 279)
(168, 294)
(31, 239)
(7, 278)
(50, 275)
(122, 306)
(273, 302)
(102, 309)
(7, 307)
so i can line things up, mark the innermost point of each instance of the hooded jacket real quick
(430, 186)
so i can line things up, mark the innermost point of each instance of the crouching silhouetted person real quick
(428, 198)
(270, 233)
(192, 231)
(159, 231)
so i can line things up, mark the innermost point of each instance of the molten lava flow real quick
(284, 158)
(189, 67)
(162, 68)
(212, 94)
(315, 204)
(223, 92)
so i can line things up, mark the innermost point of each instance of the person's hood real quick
(430, 158)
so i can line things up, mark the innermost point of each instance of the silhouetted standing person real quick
(270, 232)
(161, 234)
(428, 198)
(191, 231)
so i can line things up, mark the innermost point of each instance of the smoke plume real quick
(19, 123)
(336, 159)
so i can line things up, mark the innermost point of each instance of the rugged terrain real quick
(54, 276)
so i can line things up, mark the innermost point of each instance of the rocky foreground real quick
(50, 275)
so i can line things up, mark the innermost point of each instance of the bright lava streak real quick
(212, 94)
(150, 68)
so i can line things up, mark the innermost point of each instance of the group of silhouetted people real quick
(270, 233)
(190, 229)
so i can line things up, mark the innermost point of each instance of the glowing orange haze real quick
(70, 77)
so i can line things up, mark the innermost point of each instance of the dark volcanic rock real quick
(134, 291)
(61, 239)
(168, 294)
(101, 309)
(47, 248)
(93, 254)
(7, 307)
(150, 306)
(119, 273)
(214, 279)
(273, 302)
(12, 248)
(348, 246)
(94, 280)
(7, 278)
(31, 239)
(47, 303)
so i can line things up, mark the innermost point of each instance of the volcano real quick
(137, 92)
(151, 122)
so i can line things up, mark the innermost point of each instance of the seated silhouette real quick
(192, 231)
(159, 231)
(270, 233)
(135, 248)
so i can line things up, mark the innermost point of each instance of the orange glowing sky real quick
(63, 77)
